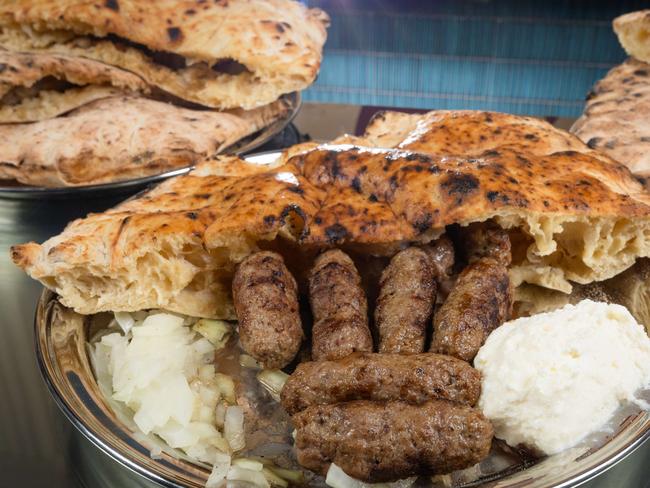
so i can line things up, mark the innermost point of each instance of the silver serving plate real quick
(243, 146)
(61, 341)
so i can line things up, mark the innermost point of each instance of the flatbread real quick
(120, 138)
(27, 93)
(175, 45)
(616, 119)
(572, 214)
(630, 289)
(633, 31)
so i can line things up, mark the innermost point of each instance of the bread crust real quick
(580, 216)
(121, 137)
(615, 118)
(89, 81)
(279, 42)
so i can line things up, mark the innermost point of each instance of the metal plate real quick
(244, 146)
(61, 336)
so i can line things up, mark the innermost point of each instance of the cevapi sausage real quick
(266, 303)
(441, 252)
(479, 302)
(486, 240)
(413, 378)
(374, 441)
(406, 298)
(339, 307)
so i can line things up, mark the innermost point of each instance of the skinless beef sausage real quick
(266, 303)
(479, 302)
(441, 252)
(412, 378)
(406, 298)
(486, 240)
(375, 442)
(339, 307)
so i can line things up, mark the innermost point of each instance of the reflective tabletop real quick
(37, 445)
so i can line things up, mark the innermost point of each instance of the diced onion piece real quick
(273, 381)
(220, 469)
(247, 463)
(226, 387)
(155, 452)
(255, 477)
(125, 320)
(442, 479)
(206, 372)
(337, 478)
(220, 414)
(233, 428)
(216, 331)
(296, 477)
(247, 361)
(274, 479)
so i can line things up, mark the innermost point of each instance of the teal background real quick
(526, 57)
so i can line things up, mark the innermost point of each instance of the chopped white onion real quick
(241, 474)
(233, 428)
(273, 381)
(220, 414)
(247, 463)
(295, 476)
(219, 470)
(125, 320)
(247, 361)
(226, 387)
(337, 478)
(216, 331)
(274, 479)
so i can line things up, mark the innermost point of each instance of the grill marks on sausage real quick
(411, 378)
(485, 239)
(479, 302)
(406, 298)
(391, 440)
(339, 307)
(265, 296)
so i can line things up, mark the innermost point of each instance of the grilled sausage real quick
(479, 302)
(339, 307)
(374, 441)
(406, 297)
(266, 303)
(441, 252)
(486, 239)
(413, 378)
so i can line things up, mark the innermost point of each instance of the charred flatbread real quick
(616, 118)
(122, 137)
(224, 54)
(41, 86)
(573, 215)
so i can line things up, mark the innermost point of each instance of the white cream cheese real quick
(551, 379)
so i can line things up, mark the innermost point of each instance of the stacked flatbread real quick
(92, 92)
(574, 215)
(616, 117)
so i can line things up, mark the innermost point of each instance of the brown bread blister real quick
(479, 302)
(375, 442)
(412, 378)
(339, 307)
(266, 302)
(406, 297)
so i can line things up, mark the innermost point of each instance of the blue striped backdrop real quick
(529, 57)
